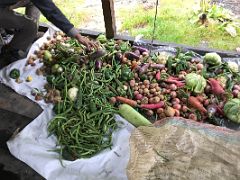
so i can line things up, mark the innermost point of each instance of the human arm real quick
(54, 15)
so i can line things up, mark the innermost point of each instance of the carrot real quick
(216, 88)
(158, 76)
(195, 103)
(126, 101)
(152, 106)
(132, 116)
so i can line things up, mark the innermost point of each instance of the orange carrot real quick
(195, 103)
(127, 101)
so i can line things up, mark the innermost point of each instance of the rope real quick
(154, 25)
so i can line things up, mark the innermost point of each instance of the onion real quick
(235, 92)
(177, 106)
(156, 99)
(207, 89)
(177, 112)
(237, 87)
(192, 116)
(206, 102)
(176, 100)
(146, 91)
(147, 86)
(113, 100)
(153, 90)
(161, 97)
(200, 66)
(132, 83)
(184, 108)
(142, 86)
(212, 109)
(138, 96)
(173, 94)
(168, 91)
(135, 93)
(173, 87)
(149, 112)
(160, 110)
(135, 88)
(146, 82)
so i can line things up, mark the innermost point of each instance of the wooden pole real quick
(109, 18)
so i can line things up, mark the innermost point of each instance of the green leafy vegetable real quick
(195, 82)
(212, 59)
(232, 110)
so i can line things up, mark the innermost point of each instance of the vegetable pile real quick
(87, 88)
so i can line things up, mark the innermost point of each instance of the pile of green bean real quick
(84, 127)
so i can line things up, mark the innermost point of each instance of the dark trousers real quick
(25, 28)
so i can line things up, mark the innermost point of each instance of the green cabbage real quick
(233, 66)
(195, 82)
(212, 59)
(232, 110)
(222, 80)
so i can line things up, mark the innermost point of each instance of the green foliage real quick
(223, 18)
(173, 26)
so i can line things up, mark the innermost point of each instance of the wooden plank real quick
(198, 50)
(13, 102)
(109, 18)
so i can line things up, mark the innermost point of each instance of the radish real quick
(152, 106)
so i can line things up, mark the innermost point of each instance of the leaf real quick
(231, 30)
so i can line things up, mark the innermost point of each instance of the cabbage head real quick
(212, 59)
(195, 82)
(232, 110)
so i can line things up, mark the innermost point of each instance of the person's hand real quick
(86, 42)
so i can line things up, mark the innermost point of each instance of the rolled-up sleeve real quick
(55, 16)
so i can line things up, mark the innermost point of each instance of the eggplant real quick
(137, 52)
(131, 55)
(141, 49)
(157, 66)
(118, 56)
(144, 68)
(99, 53)
(98, 64)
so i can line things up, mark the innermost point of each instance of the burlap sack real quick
(184, 149)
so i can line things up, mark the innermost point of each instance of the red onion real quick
(177, 106)
(192, 116)
(176, 101)
(235, 92)
(173, 87)
(200, 66)
(237, 87)
(138, 96)
(132, 83)
(184, 108)
(177, 112)
(206, 102)
(173, 94)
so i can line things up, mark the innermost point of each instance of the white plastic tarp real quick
(34, 146)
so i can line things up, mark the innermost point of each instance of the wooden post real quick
(109, 18)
